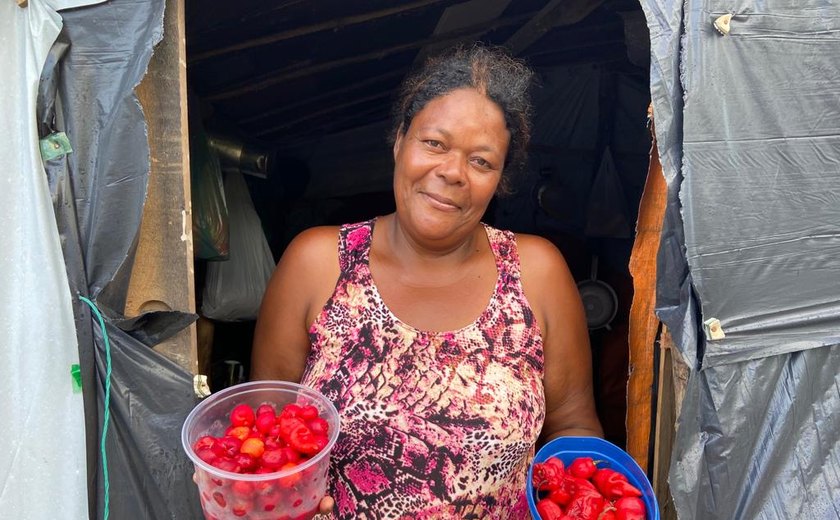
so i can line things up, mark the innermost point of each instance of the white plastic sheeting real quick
(42, 463)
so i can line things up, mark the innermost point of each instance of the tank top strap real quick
(354, 245)
(503, 244)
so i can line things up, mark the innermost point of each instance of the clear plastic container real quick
(294, 493)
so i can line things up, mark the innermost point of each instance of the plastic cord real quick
(107, 415)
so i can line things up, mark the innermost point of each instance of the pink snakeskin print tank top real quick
(435, 425)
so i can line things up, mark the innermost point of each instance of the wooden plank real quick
(329, 25)
(323, 97)
(162, 278)
(665, 433)
(643, 322)
(277, 77)
(328, 109)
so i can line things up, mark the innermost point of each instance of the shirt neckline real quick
(473, 324)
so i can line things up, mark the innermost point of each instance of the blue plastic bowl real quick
(568, 449)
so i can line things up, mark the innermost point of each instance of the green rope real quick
(107, 406)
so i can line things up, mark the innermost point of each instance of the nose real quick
(453, 169)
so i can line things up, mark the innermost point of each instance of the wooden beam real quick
(329, 25)
(643, 322)
(321, 97)
(329, 109)
(162, 276)
(203, 26)
(666, 416)
(300, 138)
(556, 13)
(282, 75)
(317, 133)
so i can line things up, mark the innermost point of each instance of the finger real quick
(327, 505)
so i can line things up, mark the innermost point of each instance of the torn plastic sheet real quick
(150, 475)
(751, 157)
(99, 190)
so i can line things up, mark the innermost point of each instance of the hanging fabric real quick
(235, 287)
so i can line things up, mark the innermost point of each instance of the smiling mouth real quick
(441, 202)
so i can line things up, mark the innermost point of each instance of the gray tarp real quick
(749, 135)
(98, 192)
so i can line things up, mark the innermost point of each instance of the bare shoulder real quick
(300, 286)
(541, 261)
(317, 243)
(546, 280)
(309, 267)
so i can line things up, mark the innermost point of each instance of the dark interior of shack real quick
(300, 92)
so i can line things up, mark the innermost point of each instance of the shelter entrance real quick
(297, 96)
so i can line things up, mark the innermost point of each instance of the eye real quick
(432, 143)
(482, 163)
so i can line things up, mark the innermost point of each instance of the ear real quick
(398, 141)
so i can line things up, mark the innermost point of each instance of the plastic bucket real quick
(293, 493)
(611, 456)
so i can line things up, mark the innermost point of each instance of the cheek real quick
(402, 185)
(489, 186)
(412, 170)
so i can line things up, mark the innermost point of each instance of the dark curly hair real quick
(489, 69)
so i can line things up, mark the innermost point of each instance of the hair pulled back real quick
(488, 69)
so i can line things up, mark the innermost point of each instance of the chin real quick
(439, 227)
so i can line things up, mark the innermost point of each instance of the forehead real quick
(463, 109)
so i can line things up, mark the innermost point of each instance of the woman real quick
(442, 395)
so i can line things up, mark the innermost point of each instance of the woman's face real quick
(448, 164)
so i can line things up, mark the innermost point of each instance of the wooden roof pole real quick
(282, 75)
(321, 98)
(644, 324)
(334, 24)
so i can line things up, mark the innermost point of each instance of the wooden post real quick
(162, 278)
(643, 322)
(664, 432)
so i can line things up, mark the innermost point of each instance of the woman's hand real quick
(327, 505)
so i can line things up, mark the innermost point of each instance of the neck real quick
(455, 249)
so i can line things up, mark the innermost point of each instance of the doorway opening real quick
(297, 96)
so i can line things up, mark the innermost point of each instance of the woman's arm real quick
(553, 294)
(302, 282)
